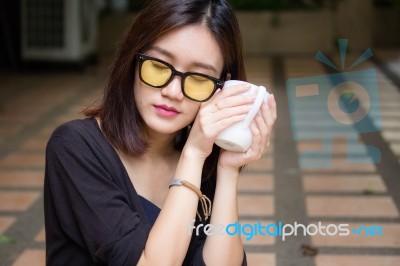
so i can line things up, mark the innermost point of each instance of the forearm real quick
(169, 238)
(224, 249)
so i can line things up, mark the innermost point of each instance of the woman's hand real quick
(260, 127)
(225, 108)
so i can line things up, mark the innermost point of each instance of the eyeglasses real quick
(158, 74)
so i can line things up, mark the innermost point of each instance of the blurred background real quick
(71, 31)
(54, 56)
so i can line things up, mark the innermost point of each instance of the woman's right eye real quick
(159, 65)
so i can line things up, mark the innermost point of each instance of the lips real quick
(167, 108)
(166, 111)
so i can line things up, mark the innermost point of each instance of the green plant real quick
(5, 239)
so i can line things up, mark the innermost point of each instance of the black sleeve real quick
(91, 209)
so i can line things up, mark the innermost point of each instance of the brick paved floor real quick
(276, 188)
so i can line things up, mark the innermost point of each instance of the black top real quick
(152, 211)
(93, 215)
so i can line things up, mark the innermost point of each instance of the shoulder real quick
(80, 133)
(75, 128)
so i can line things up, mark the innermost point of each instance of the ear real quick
(228, 76)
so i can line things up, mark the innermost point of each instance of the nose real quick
(173, 90)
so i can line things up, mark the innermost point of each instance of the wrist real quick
(227, 182)
(192, 153)
(190, 166)
(228, 174)
(228, 171)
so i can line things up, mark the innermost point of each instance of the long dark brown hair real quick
(120, 119)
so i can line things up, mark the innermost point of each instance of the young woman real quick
(122, 187)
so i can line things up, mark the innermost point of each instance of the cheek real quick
(139, 92)
(193, 109)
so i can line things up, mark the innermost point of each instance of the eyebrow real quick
(170, 55)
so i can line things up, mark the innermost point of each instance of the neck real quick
(160, 149)
(160, 145)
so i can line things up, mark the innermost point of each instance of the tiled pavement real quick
(274, 189)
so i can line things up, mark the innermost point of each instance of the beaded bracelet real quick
(204, 200)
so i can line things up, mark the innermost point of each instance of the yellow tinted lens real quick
(155, 73)
(198, 87)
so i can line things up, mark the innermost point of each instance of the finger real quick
(228, 92)
(272, 106)
(218, 114)
(210, 128)
(224, 123)
(267, 115)
(221, 100)
(262, 124)
(256, 135)
(264, 132)
(235, 101)
(234, 90)
(256, 146)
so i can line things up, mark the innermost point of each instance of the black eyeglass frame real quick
(218, 83)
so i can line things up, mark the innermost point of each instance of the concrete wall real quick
(354, 20)
(387, 27)
(296, 32)
(309, 31)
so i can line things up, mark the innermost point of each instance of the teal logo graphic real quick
(348, 102)
(339, 105)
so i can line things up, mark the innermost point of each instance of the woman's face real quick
(190, 48)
